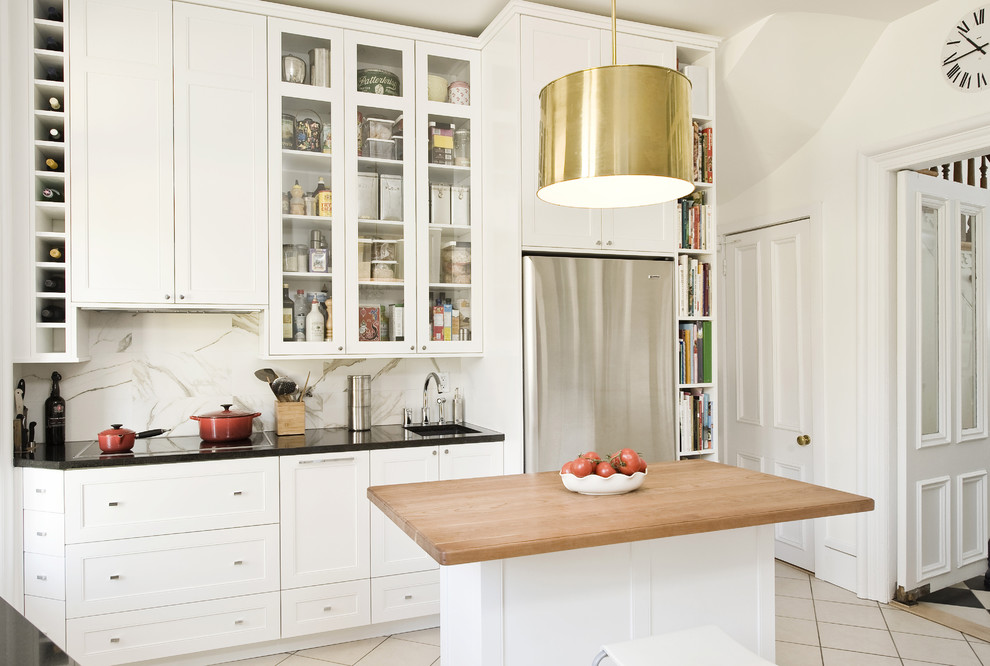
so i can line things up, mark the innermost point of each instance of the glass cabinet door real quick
(307, 181)
(379, 141)
(449, 199)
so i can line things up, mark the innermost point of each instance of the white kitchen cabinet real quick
(551, 49)
(319, 608)
(325, 519)
(405, 595)
(169, 204)
(392, 551)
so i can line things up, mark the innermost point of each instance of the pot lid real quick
(227, 413)
(117, 429)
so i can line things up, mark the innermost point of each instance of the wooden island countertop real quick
(475, 520)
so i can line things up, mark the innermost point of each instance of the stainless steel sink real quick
(436, 429)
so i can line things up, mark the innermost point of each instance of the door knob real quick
(803, 440)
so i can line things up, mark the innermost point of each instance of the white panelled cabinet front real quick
(551, 49)
(170, 150)
(325, 514)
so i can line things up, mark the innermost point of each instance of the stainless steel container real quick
(359, 402)
(319, 67)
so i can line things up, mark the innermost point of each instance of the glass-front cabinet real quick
(448, 107)
(381, 196)
(307, 239)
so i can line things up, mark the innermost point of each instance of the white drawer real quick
(48, 615)
(164, 632)
(166, 499)
(311, 610)
(44, 576)
(405, 595)
(129, 574)
(42, 489)
(44, 533)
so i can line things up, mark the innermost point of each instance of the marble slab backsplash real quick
(155, 370)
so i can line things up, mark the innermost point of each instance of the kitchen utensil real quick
(359, 402)
(617, 484)
(293, 69)
(302, 394)
(226, 425)
(283, 387)
(267, 375)
(19, 398)
(18, 432)
(117, 439)
(30, 442)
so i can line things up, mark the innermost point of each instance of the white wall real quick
(897, 93)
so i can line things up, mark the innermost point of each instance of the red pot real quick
(117, 439)
(226, 425)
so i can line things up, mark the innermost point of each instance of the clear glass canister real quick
(462, 147)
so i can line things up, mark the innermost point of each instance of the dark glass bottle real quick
(55, 135)
(52, 44)
(53, 283)
(55, 415)
(53, 314)
(54, 14)
(51, 194)
(53, 74)
(287, 314)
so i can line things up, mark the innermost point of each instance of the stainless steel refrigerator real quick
(599, 352)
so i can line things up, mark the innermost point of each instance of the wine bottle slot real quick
(53, 314)
(53, 74)
(52, 165)
(53, 14)
(54, 134)
(53, 283)
(51, 194)
(54, 104)
(57, 253)
(52, 44)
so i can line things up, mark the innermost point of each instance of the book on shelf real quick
(695, 414)
(696, 221)
(695, 352)
(694, 279)
(704, 150)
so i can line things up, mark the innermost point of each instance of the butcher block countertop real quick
(474, 520)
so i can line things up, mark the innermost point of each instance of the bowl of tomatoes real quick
(592, 474)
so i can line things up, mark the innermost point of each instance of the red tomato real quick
(604, 469)
(592, 456)
(581, 467)
(642, 464)
(628, 461)
(566, 468)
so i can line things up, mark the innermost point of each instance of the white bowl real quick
(617, 484)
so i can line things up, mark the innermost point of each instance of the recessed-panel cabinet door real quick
(551, 49)
(121, 157)
(641, 228)
(221, 172)
(392, 551)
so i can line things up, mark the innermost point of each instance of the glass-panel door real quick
(307, 181)
(380, 144)
(449, 199)
(972, 329)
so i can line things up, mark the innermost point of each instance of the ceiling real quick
(716, 17)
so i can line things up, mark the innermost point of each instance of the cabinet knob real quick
(424, 347)
(182, 297)
(608, 242)
(434, 451)
(803, 440)
(168, 297)
(446, 451)
(598, 242)
(340, 348)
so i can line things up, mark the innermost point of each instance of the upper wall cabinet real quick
(147, 230)
(551, 49)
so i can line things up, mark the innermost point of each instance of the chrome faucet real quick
(426, 401)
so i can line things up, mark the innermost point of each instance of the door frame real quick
(877, 382)
(816, 314)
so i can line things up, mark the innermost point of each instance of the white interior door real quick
(942, 405)
(770, 302)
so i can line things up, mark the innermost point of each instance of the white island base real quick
(559, 608)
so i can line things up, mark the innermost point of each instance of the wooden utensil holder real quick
(290, 418)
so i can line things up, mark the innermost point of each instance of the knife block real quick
(290, 418)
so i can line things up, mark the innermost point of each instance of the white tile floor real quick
(416, 648)
(819, 624)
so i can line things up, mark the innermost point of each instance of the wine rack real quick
(53, 323)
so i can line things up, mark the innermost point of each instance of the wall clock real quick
(966, 53)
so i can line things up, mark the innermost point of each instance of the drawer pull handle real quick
(238, 492)
(42, 534)
(115, 577)
(238, 621)
(408, 596)
(238, 562)
(114, 640)
(41, 577)
(327, 609)
(112, 504)
(40, 491)
(326, 460)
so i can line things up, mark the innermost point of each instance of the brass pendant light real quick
(615, 136)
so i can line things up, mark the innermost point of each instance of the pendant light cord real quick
(613, 33)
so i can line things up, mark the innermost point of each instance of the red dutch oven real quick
(226, 425)
(117, 439)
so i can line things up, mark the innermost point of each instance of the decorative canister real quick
(436, 88)
(383, 250)
(459, 92)
(319, 67)
(309, 130)
(462, 147)
(325, 141)
(455, 263)
(383, 270)
(293, 69)
(288, 131)
(378, 81)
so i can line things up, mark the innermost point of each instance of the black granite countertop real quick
(162, 449)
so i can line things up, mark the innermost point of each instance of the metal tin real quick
(460, 205)
(359, 402)
(309, 130)
(382, 149)
(319, 67)
(378, 81)
(288, 131)
(462, 147)
(439, 203)
(459, 92)
(367, 191)
(390, 197)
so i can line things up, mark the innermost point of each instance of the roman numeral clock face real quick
(966, 54)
